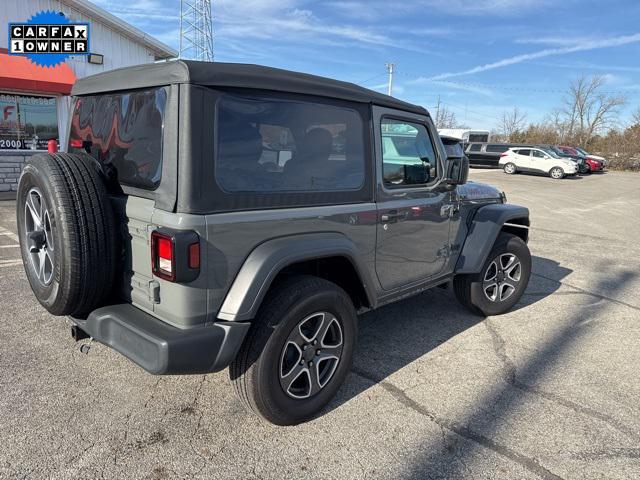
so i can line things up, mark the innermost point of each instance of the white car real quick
(537, 160)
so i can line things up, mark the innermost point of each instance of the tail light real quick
(504, 154)
(175, 255)
(75, 143)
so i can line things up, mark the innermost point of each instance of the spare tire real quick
(67, 232)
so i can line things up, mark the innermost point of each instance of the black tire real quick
(255, 372)
(82, 232)
(510, 168)
(468, 289)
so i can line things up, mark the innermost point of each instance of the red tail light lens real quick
(504, 154)
(75, 143)
(163, 256)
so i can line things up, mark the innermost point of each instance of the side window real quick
(537, 153)
(268, 144)
(408, 155)
(475, 147)
(525, 153)
(497, 148)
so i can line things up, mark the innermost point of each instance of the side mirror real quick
(457, 170)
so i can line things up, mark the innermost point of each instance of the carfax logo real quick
(48, 38)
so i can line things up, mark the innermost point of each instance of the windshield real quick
(551, 153)
(579, 150)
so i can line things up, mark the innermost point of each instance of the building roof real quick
(19, 73)
(159, 49)
(233, 75)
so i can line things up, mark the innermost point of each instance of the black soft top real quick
(235, 75)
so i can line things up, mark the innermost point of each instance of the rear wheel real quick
(557, 173)
(298, 351)
(502, 280)
(510, 168)
(67, 234)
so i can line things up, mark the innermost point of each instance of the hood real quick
(596, 157)
(472, 191)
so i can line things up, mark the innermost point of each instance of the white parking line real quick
(10, 263)
(8, 233)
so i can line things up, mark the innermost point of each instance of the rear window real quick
(478, 137)
(123, 130)
(268, 144)
(497, 148)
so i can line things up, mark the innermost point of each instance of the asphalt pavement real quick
(550, 390)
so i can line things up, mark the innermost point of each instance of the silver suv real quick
(210, 215)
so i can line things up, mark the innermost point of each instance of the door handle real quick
(391, 215)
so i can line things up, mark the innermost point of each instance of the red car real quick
(593, 164)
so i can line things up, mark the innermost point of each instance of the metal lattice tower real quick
(196, 30)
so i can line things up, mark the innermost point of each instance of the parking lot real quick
(549, 390)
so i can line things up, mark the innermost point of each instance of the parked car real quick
(164, 236)
(488, 154)
(591, 155)
(537, 160)
(591, 164)
(578, 159)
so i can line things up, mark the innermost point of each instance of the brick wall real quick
(11, 164)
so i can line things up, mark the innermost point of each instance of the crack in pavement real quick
(511, 377)
(530, 464)
(597, 295)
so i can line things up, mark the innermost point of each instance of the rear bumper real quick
(160, 348)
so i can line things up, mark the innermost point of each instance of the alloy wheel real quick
(311, 355)
(502, 277)
(39, 236)
(557, 173)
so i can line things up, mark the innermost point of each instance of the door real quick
(413, 213)
(539, 161)
(523, 159)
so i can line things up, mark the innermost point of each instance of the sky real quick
(479, 58)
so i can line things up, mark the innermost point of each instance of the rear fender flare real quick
(483, 231)
(268, 259)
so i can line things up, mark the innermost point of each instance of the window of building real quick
(408, 157)
(27, 122)
(268, 144)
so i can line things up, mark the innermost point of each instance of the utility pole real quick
(390, 67)
(438, 112)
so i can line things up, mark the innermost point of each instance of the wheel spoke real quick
(314, 379)
(492, 272)
(311, 336)
(494, 287)
(513, 273)
(322, 334)
(506, 289)
(40, 267)
(510, 260)
(34, 209)
(292, 376)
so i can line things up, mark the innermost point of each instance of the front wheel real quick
(502, 280)
(510, 168)
(298, 351)
(557, 173)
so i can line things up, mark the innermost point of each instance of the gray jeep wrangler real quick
(210, 215)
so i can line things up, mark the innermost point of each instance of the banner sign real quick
(48, 38)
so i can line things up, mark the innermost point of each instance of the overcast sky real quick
(481, 57)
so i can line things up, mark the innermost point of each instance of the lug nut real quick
(318, 352)
(315, 342)
(311, 364)
(304, 347)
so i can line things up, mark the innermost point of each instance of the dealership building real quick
(34, 100)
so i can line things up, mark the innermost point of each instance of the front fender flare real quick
(269, 258)
(483, 232)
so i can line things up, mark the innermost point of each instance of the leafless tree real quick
(512, 123)
(635, 117)
(445, 118)
(588, 110)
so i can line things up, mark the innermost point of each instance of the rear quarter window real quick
(123, 130)
(267, 144)
(497, 148)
